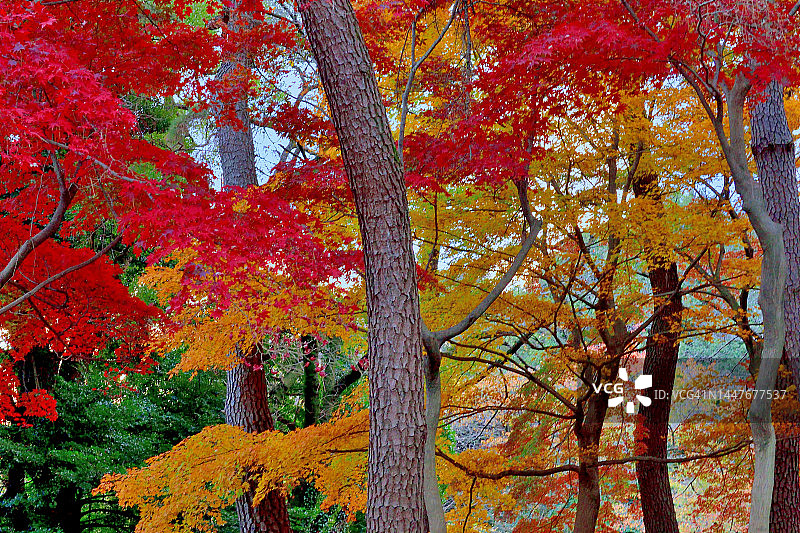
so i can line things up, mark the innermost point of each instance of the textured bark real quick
(661, 358)
(247, 406)
(397, 431)
(770, 299)
(784, 515)
(773, 150)
(235, 141)
(246, 398)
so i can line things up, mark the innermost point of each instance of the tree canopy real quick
(438, 242)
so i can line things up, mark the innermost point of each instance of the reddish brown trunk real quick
(785, 502)
(397, 431)
(246, 398)
(661, 358)
(773, 150)
(247, 406)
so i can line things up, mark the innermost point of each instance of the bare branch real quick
(414, 66)
(535, 225)
(535, 472)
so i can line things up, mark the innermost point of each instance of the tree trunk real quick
(784, 516)
(246, 398)
(397, 425)
(661, 358)
(770, 299)
(773, 150)
(310, 382)
(434, 510)
(247, 406)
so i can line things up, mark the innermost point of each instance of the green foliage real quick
(163, 123)
(107, 423)
(305, 514)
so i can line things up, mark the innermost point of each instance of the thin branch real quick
(535, 225)
(519, 472)
(469, 507)
(410, 82)
(96, 161)
(638, 21)
(535, 472)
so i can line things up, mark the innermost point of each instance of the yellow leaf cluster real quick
(184, 489)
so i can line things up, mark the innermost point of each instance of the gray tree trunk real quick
(773, 281)
(773, 150)
(397, 425)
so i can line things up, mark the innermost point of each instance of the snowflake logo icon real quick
(645, 381)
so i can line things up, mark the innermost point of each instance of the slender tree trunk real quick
(770, 299)
(310, 382)
(246, 398)
(661, 358)
(773, 150)
(434, 510)
(397, 425)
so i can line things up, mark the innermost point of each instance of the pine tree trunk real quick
(397, 425)
(785, 513)
(247, 406)
(773, 150)
(246, 398)
(661, 358)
